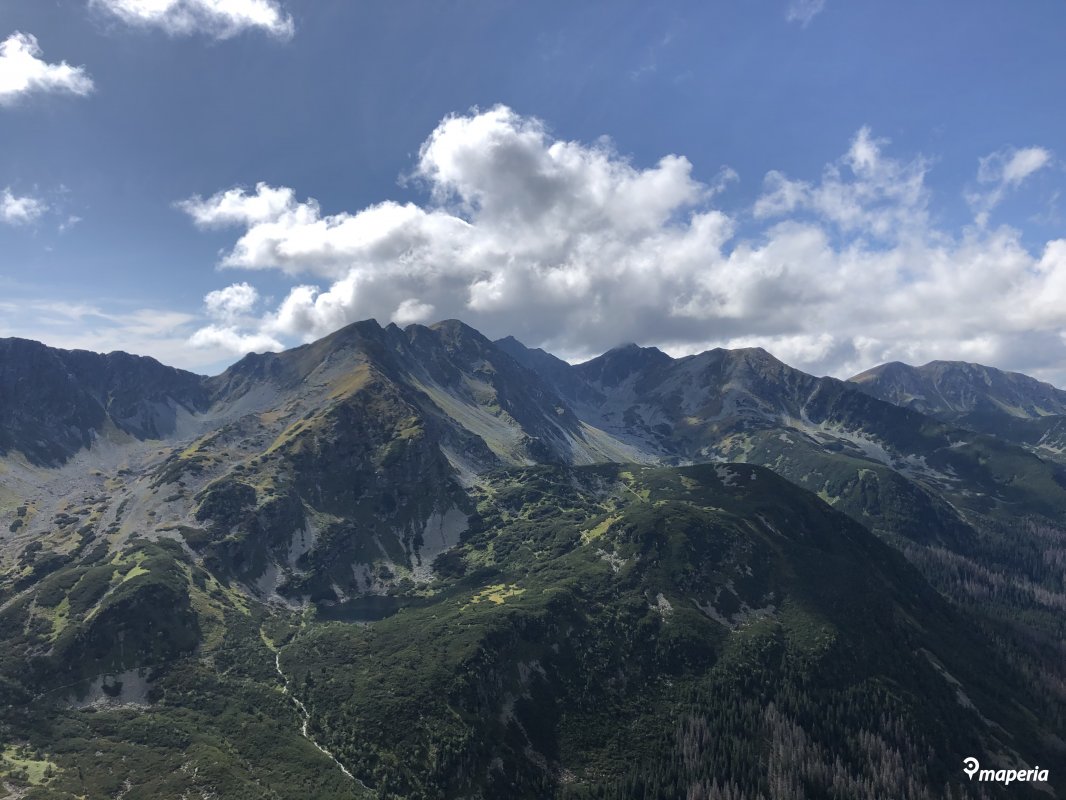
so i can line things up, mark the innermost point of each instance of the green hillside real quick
(600, 632)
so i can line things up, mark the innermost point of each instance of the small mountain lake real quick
(369, 608)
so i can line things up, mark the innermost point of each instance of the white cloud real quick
(20, 210)
(1011, 166)
(803, 11)
(231, 309)
(221, 19)
(232, 302)
(235, 207)
(229, 340)
(411, 310)
(862, 192)
(519, 218)
(572, 247)
(24, 72)
(1001, 171)
(69, 223)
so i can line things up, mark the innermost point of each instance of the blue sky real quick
(844, 183)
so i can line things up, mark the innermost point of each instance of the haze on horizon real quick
(194, 180)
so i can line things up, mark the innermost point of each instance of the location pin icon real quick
(970, 766)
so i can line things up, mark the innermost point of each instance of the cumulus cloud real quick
(24, 72)
(230, 308)
(235, 207)
(574, 248)
(411, 311)
(16, 210)
(232, 302)
(803, 11)
(232, 341)
(517, 217)
(1002, 171)
(221, 19)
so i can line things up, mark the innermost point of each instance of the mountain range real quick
(420, 563)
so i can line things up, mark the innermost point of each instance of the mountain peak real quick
(634, 348)
(359, 329)
(754, 355)
(620, 362)
(950, 389)
(456, 331)
(895, 368)
(510, 344)
(453, 325)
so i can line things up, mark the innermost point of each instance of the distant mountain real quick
(54, 403)
(1009, 405)
(960, 504)
(955, 389)
(477, 570)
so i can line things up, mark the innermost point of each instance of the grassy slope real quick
(601, 632)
